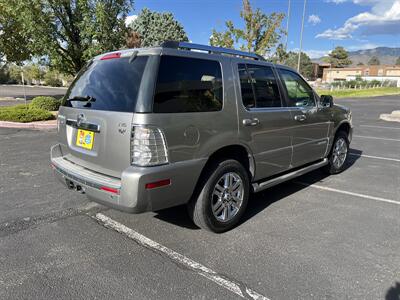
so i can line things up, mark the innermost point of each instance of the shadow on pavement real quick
(394, 292)
(259, 201)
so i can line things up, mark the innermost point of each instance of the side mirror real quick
(326, 101)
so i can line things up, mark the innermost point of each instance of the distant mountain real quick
(386, 55)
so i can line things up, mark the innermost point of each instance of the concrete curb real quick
(32, 125)
(393, 117)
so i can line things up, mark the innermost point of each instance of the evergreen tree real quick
(152, 28)
(339, 58)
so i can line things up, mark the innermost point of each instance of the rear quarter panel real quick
(197, 135)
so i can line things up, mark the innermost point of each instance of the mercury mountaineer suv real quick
(146, 129)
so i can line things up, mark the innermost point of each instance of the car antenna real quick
(133, 56)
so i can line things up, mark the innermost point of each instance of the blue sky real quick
(354, 24)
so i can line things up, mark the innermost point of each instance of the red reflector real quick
(111, 56)
(157, 184)
(108, 189)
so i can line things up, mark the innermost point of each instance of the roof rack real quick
(209, 49)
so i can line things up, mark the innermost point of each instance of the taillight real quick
(148, 146)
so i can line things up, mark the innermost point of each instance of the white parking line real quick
(375, 138)
(374, 157)
(200, 269)
(383, 127)
(348, 193)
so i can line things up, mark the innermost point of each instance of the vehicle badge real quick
(80, 120)
(122, 128)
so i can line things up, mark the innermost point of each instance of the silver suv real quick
(146, 129)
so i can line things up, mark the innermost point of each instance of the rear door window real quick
(300, 94)
(188, 85)
(111, 85)
(258, 86)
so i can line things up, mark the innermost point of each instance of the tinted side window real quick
(259, 87)
(299, 92)
(188, 85)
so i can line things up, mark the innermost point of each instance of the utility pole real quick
(23, 85)
(301, 36)
(287, 25)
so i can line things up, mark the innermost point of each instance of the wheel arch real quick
(343, 126)
(238, 152)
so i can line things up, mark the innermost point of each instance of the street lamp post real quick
(287, 25)
(301, 36)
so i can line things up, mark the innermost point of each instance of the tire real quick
(226, 196)
(336, 165)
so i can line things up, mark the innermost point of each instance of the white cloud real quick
(313, 53)
(383, 18)
(336, 1)
(130, 19)
(363, 47)
(314, 19)
(316, 53)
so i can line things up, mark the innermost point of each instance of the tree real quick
(261, 33)
(398, 61)
(15, 43)
(52, 78)
(374, 61)
(32, 72)
(132, 39)
(339, 58)
(280, 55)
(14, 72)
(306, 66)
(360, 64)
(69, 32)
(153, 28)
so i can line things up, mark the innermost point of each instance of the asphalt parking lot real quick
(315, 237)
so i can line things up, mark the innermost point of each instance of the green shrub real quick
(46, 103)
(24, 114)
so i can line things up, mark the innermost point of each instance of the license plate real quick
(85, 139)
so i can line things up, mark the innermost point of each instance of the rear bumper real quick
(129, 192)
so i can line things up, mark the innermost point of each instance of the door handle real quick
(251, 122)
(300, 118)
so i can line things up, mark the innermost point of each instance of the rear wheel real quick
(221, 198)
(337, 157)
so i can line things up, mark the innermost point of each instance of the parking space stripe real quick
(325, 188)
(383, 127)
(375, 138)
(229, 284)
(374, 157)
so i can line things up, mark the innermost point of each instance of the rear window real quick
(188, 85)
(110, 85)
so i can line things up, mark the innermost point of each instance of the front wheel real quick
(339, 153)
(222, 197)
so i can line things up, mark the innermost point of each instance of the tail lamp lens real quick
(148, 146)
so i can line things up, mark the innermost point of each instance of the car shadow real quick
(393, 292)
(260, 201)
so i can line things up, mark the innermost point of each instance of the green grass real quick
(383, 91)
(24, 114)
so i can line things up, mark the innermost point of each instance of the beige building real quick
(340, 74)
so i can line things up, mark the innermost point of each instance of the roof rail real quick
(209, 49)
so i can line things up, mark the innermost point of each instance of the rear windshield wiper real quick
(87, 99)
